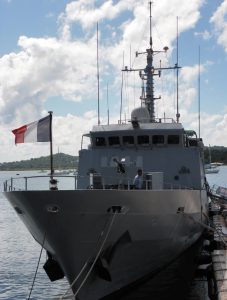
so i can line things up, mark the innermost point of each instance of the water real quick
(19, 253)
(219, 178)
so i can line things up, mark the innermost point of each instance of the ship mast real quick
(147, 74)
(149, 101)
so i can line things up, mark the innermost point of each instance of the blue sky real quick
(48, 62)
(27, 17)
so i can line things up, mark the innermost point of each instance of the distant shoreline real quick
(61, 161)
(64, 161)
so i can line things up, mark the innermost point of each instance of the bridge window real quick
(100, 141)
(114, 140)
(143, 139)
(128, 140)
(173, 139)
(158, 139)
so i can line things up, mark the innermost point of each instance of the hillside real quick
(65, 161)
(218, 154)
(60, 161)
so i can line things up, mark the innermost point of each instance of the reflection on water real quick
(19, 252)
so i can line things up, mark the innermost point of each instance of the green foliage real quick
(218, 154)
(60, 161)
(65, 161)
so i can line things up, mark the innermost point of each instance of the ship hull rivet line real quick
(115, 210)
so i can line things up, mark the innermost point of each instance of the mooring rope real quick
(93, 264)
(211, 228)
(97, 256)
(74, 281)
(37, 267)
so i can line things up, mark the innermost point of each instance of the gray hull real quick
(150, 229)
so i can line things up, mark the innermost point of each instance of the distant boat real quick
(42, 171)
(217, 164)
(61, 172)
(211, 168)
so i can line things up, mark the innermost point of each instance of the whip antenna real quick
(199, 93)
(177, 115)
(107, 102)
(98, 69)
(150, 3)
(122, 83)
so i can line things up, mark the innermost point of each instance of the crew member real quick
(138, 180)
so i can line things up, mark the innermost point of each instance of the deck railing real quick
(157, 120)
(70, 182)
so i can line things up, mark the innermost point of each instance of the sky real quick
(48, 63)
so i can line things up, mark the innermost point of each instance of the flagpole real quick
(51, 148)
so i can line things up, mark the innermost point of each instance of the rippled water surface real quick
(19, 254)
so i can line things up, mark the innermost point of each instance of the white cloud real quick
(206, 35)
(48, 67)
(85, 12)
(64, 67)
(219, 19)
(214, 129)
(43, 68)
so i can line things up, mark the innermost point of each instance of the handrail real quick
(126, 183)
(157, 120)
(9, 185)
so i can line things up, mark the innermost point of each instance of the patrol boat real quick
(104, 235)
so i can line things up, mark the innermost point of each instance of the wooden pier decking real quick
(219, 260)
(219, 253)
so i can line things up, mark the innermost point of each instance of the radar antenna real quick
(147, 74)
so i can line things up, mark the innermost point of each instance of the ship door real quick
(154, 181)
(96, 181)
(148, 181)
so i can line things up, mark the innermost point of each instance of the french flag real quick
(38, 131)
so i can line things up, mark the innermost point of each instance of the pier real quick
(218, 245)
(210, 282)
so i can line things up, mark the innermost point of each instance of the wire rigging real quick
(37, 267)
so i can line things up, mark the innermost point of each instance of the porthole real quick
(53, 209)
